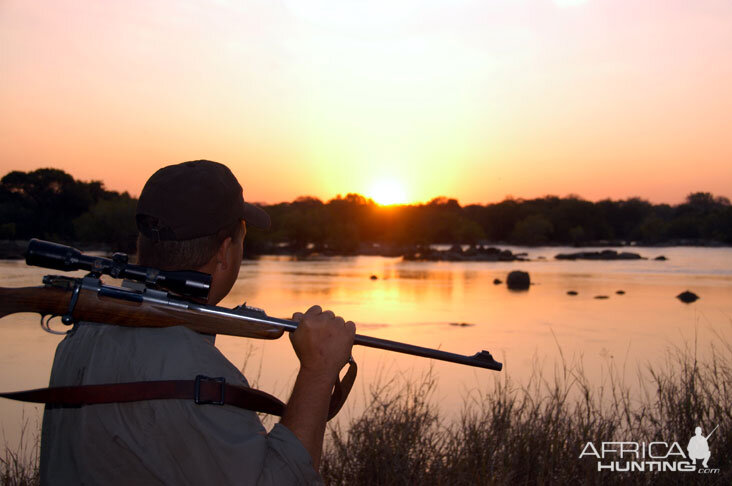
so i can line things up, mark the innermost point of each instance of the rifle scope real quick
(60, 257)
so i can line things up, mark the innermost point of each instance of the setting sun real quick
(387, 192)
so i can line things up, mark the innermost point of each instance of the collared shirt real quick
(155, 442)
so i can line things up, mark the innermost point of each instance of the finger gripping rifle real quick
(156, 298)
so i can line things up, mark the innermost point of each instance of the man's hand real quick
(322, 342)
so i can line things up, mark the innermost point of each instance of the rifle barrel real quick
(481, 360)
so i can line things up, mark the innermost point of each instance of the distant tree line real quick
(51, 204)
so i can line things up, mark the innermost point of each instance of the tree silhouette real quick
(50, 204)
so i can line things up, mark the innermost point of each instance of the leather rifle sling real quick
(203, 390)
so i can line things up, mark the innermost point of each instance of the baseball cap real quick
(193, 199)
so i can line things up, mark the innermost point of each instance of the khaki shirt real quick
(159, 441)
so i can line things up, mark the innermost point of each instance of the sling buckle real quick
(197, 390)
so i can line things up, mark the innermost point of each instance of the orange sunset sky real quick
(398, 100)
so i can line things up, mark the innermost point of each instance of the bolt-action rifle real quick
(155, 298)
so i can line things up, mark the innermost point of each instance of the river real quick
(416, 302)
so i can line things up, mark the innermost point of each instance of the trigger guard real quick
(46, 319)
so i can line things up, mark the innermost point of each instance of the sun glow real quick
(387, 192)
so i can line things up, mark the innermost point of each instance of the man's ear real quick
(223, 255)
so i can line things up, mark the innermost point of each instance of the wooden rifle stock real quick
(92, 307)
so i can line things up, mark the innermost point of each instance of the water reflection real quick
(405, 274)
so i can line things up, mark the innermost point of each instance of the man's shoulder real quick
(109, 353)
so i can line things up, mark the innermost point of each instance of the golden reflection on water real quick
(415, 302)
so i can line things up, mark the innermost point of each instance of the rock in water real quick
(661, 258)
(687, 297)
(497, 281)
(571, 292)
(601, 297)
(599, 255)
(620, 292)
(373, 277)
(518, 280)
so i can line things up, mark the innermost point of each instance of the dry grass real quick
(19, 463)
(534, 434)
